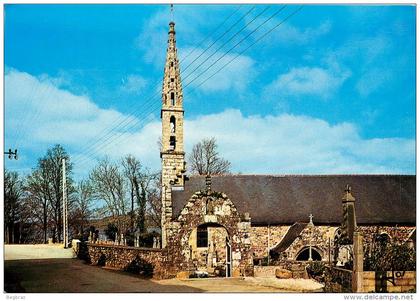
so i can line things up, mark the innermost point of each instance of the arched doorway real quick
(204, 210)
(304, 254)
(210, 249)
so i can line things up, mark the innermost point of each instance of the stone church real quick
(224, 225)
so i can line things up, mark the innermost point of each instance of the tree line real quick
(125, 193)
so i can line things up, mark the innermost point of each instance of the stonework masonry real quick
(210, 208)
(145, 261)
(172, 114)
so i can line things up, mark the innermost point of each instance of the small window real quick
(172, 143)
(202, 237)
(172, 64)
(173, 98)
(172, 80)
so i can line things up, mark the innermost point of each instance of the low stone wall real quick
(389, 282)
(145, 261)
(265, 271)
(297, 268)
(338, 280)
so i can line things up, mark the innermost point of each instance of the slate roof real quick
(380, 199)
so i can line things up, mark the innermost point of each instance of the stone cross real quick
(310, 219)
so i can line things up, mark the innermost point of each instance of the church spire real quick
(172, 114)
(172, 87)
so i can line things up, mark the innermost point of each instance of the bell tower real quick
(172, 115)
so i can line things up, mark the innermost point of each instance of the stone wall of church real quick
(212, 208)
(319, 237)
(398, 234)
(265, 237)
(213, 255)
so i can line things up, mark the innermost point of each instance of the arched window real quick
(173, 98)
(304, 255)
(172, 124)
(383, 238)
(202, 236)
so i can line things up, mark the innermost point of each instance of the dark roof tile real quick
(380, 199)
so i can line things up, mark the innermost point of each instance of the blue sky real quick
(331, 90)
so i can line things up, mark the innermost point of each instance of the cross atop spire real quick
(172, 13)
(348, 197)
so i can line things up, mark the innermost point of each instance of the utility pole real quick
(65, 215)
(11, 154)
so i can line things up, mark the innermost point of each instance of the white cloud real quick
(39, 114)
(372, 80)
(299, 144)
(254, 144)
(133, 84)
(290, 34)
(317, 81)
(152, 39)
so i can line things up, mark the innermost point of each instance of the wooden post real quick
(357, 279)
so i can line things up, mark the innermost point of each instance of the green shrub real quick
(389, 257)
(316, 268)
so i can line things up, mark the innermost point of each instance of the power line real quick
(256, 41)
(110, 133)
(123, 121)
(22, 123)
(243, 39)
(231, 38)
(208, 37)
(260, 38)
(214, 42)
(29, 120)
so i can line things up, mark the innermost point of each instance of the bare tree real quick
(204, 159)
(82, 210)
(52, 164)
(13, 193)
(154, 203)
(37, 200)
(140, 181)
(108, 185)
(45, 190)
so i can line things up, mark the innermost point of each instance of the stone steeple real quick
(172, 97)
(172, 114)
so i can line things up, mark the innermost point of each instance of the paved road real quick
(74, 276)
(46, 268)
(12, 252)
